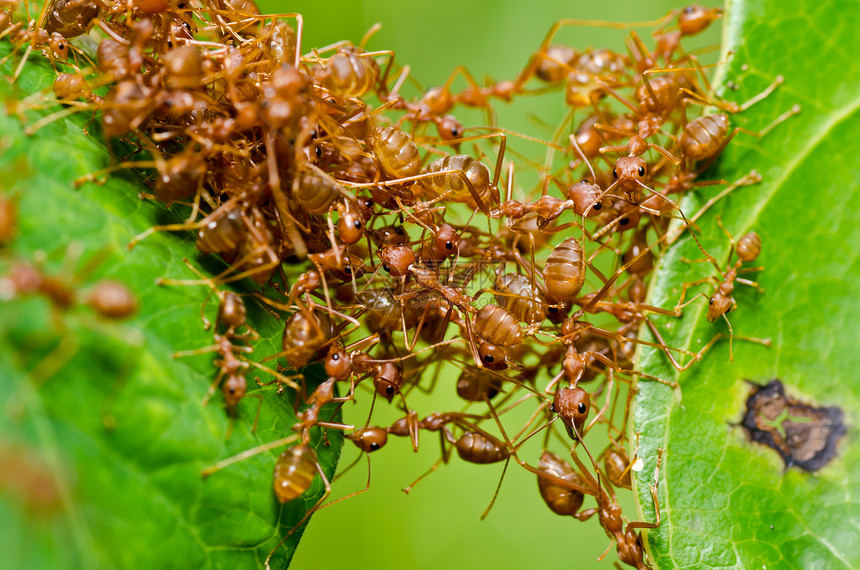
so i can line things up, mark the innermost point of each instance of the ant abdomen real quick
(476, 384)
(524, 301)
(479, 448)
(348, 74)
(561, 500)
(497, 326)
(749, 247)
(702, 137)
(395, 152)
(71, 18)
(223, 234)
(452, 184)
(564, 272)
(294, 472)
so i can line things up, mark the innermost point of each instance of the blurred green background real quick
(437, 524)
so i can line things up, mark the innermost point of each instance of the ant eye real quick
(398, 231)
(615, 172)
(641, 171)
(347, 269)
(389, 389)
(584, 181)
(711, 301)
(489, 358)
(357, 224)
(624, 221)
(386, 268)
(318, 151)
(368, 203)
(335, 356)
(449, 245)
(582, 409)
(597, 206)
(374, 446)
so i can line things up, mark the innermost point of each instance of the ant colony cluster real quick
(387, 242)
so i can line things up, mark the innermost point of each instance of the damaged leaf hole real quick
(805, 436)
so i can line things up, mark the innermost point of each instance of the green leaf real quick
(727, 502)
(129, 495)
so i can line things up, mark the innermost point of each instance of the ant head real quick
(364, 204)
(369, 438)
(695, 19)
(449, 128)
(234, 387)
(59, 46)
(387, 379)
(492, 356)
(390, 235)
(338, 363)
(446, 240)
(628, 217)
(350, 226)
(396, 260)
(585, 194)
(748, 247)
(571, 405)
(718, 305)
(630, 171)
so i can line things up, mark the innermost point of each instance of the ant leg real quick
(653, 489)
(678, 367)
(248, 453)
(496, 493)
(446, 454)
(213, 387)
(688, 286)
(513, 449)
(748, 180)
(307, 515)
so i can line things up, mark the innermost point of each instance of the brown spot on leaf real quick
(804, 436)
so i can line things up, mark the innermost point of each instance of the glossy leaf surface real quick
(728, 502)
